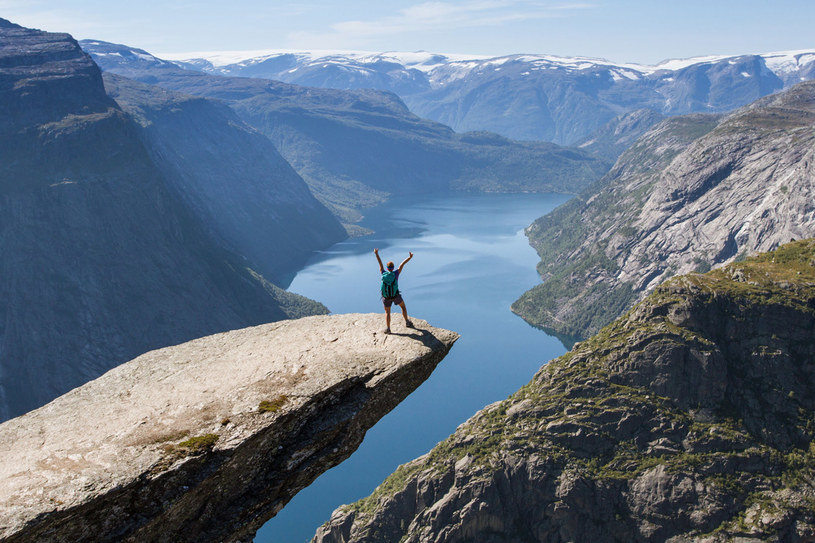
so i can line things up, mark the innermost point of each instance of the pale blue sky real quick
(643, 31)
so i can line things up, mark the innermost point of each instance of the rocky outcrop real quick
(101, 260)
(45, 77)
(693, 193)
(206, 440)
(356, 148)
(690, 419)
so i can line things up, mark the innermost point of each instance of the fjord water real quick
(471, 261)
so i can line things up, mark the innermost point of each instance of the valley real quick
(175, 229)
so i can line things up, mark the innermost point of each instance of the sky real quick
(636, 31)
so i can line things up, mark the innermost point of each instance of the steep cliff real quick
(692, 418)
(693, 193)
(355, 148)
(230, 176)
(206, 440)
(101, 261)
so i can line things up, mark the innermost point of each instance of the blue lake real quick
(471, 261)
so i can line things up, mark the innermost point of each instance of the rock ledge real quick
(209, 439)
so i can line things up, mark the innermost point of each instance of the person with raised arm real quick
(390, 290)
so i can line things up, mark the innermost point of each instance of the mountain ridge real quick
(533, 97)
(233, 61)
(101, 260)
(693, 193)
(357, 147)
(231, 176)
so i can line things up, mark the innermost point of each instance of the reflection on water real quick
(471, 262)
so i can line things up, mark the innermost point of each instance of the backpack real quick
(389, 286)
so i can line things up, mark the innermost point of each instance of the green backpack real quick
(389, 286)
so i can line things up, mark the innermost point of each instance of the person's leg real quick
(404, 314)
(387, 318)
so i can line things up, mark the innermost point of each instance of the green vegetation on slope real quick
(702, 397)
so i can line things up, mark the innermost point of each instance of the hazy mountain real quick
(694, 192)
(101, 260)
(231, 176)
(620, 133)
(527, 97)
(356, 147)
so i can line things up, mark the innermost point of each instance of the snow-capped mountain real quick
(440, 69)
(534, 97)
(527, 97)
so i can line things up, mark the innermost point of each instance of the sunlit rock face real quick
(206, 440)
(693, 193)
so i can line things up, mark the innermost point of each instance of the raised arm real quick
(381, 267)
(405, 261)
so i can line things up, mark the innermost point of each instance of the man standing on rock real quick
(390, 290)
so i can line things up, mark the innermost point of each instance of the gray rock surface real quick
(206, 440)
(694, 193)
(620, 133)
(691, 419)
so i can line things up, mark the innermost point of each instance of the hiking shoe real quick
(387, 330)
(409, 324)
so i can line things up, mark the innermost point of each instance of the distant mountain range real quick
(525, 97)
(356, 147)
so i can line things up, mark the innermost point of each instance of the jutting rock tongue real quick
(207, 440)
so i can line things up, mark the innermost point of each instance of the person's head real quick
(390, 265)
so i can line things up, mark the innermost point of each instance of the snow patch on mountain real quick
(441, 69)
(788, 62)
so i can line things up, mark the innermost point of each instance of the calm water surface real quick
(471, 261)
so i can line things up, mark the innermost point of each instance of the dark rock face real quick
(355, 148)
(101, 261)
(689, 419)
(230, 176)
(693, 193)
(45, 77)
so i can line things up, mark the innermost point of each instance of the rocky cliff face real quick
(101, 260)
(206, 440)
(45, 77)
(355, 148)
(692, 418)
(694, 193)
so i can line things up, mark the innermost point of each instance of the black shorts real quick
(396, 299)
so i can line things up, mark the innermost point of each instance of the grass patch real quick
(273, 406)
(198, 444)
